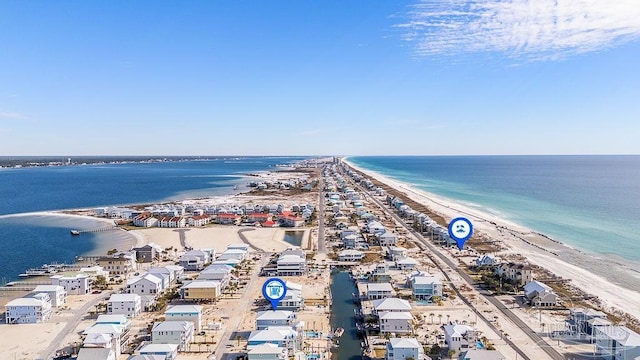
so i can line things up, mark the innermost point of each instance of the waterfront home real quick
(265, 319)
(407, 263)
(148, 286)
(162, 351)
(79, 284)
(147, 253)
(173, 332)
(485, 260)
(425, 286)
(350, 255)
(482, 354)
(57, 294)
(291, 262)
(118, 264)
(387, 238)
(28, 310)
(199, 220)
(377, 291)
(146, 219)
(191, 262)
(459, 337)
(617, 343)
(390, 305)
(405, 348)
(293, 300)
(198, 290)
(395, 322)
(191, 313)
(227, 219)
(381, 273)
(267, 352)
(582, 322)
(282, 336)
(96, 354)
(539, 294)
(126, 304)
(519, 274)
(115, 335)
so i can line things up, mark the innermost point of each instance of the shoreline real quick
(615, 284)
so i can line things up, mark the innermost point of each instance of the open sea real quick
(591, 203)
(28, 240)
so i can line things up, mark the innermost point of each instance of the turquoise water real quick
(588, 202)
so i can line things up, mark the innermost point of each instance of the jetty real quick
(75, 232)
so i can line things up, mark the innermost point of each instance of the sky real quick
(327, 77)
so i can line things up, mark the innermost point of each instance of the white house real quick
(459, 337)
(191, 313)
(57, 293)
(219, 272)
(395, 322)
(350, 255)
(102, 334)
(148, 286)
(164, 351)
(267, 352)
(390, 305)
(425, 286)
(387, 238)
(407, 263)
(377, 291)
(285, 337)
(243, 247)
(126, 304)
(80, 284)
(539, 294)
(404, 348)
(236, 254)
(29, 310)
(265, 319)
(102, 341)
(96, 354)
(191, 262)
(396, 253)
(173, 332)
(617, 343)
(485, 260)
(291, 262)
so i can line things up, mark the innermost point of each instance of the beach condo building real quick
(28, 310)
(207, 290)
(482, 354)
(425, 286)
(179, 333)
(291, 221)
(118, 264)
(199, 220)
(405, 348)
(89, 353)
(350, 255)
(265, 319)
(259, 217)
(162, 351)
(395, 322)
(146, 219)
(617, 343)
(376, 291)
(582, 322)
(228, 219)
(79, 284)
(192, 313)
(460, 337)
(125, 304)
(539, 294)
(57, 294)
(282, 336)
(291, 262)
(267, 352)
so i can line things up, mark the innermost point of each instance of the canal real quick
(294, 237)
(343, 316)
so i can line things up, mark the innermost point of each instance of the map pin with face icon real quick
(460, 229)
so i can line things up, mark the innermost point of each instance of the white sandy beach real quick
(538, 250)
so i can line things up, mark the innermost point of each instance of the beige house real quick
(199, 290)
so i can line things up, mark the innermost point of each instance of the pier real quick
(75, 232)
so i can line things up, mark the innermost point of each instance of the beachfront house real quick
(404, 348)
(126, 304)
(424, 286)
(207, 290)
(485, 260)
(192, 313)
(265, 319)
(57, 294)
(78, 284)
(482, 354)
(158, 351)
(377, 291)
(617, 343)
(180, 333)
(540, 294)
(28, 310)
(582, 322)
(518, 274)
(291, 262)
(395, 322)
(267, 352)
(282, 336)
(350, 255)
(118, 264)
(459, 337)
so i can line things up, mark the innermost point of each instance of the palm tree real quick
(448, 317)
(451, 353)
(238, 337)
(439, 318)
(431, 316)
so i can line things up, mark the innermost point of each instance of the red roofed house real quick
(199, 220)
(268, 223)
(259, 217)
(227, 219)
(291, 221)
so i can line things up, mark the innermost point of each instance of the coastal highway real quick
(551, 352)
(322, 246)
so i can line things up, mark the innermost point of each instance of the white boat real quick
(338, 332)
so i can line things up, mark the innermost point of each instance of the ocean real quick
(28, 241)
(591, 203)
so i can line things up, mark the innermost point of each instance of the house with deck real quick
(192, 313)
(28, 310)
(78, 284)
(126, 304)
(180, 333)
(376, 291)
(405, 348)
(460, 337)
(265, 319)
(57, 294)
(540, 294)
(201, 290)
(425, 286)
(395, 322)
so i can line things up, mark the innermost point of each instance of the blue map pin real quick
(274, 290)
(460, 229)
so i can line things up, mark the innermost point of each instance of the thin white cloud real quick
(12, 116)
(520, 29)
(310, 132)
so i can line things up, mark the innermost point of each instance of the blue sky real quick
(319, 77)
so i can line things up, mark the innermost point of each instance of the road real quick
(322, 246)
(551, 352)
(72, 324)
